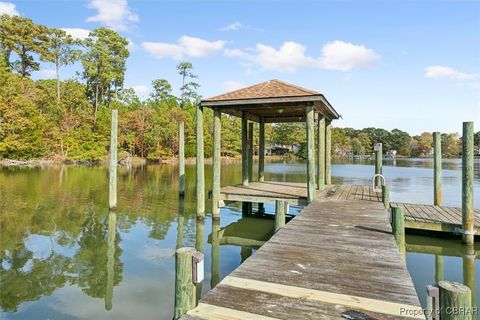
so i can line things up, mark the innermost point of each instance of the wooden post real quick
(438, 268)
(261, 150)
(469, 271)
(245, 253)
(200, 164)
(217, 127)
(321, 153)
(181, 158)
(215, 251)
(279, 214)
(468, 217)
(184, 287)
(310, 154)
(455, 301)
(398, 226)
(250, 151)
(200, 247)
(112, 191)
(437, 169)
(378, 165)
(112, 221)
(386, 196)
(180, 222)
(328, 152)
(244, 149)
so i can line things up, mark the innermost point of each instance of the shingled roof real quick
(274, 100)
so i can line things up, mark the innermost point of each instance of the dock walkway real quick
(336, 260)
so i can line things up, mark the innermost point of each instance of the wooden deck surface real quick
(336, 260)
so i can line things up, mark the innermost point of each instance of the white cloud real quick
(441, 72)
(232, 85)
(336, 55)
(141, 89)
(131, 45)
(8, 8)
(233, 26)
(47, 74)
(77, 33)
(185, 46)
(115, 14)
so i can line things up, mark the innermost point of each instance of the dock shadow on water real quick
(65, 255)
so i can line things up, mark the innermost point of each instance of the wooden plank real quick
(208, 311)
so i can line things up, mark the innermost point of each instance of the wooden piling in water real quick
(468, 217)
(185, 295)
(469, 271)
(398, 226)
(244, 149)
(279, 214)
(217, 127)
(200, 247)
(437, 169)
(112, 190)
(261, 150)
(180, 221)
(455, 301)
(200, 176)
(438, 268)
(112, 221)
(386, 196)
(321, 153)
(215, 251)
(181, 158)
(328, 152)
(250, 151)
(378, 164)
(310, 154)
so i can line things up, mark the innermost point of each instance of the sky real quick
(411, 65)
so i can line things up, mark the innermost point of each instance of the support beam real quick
(261, 150)
(250, 151)
(468, 217)
(437, 169)
(244, 150)
(310, 154)
(321, 153)
(200, 164)
(217, 127)
(181, 158)
(328, 152)
(112, 190)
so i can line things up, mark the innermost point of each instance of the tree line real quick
(69, 119)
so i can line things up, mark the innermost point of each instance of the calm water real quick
(63, 256)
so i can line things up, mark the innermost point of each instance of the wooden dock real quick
(336, 260)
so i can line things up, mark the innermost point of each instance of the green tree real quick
(162, 91)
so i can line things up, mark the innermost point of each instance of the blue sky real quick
(410, 65)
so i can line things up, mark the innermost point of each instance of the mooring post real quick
(310, 154)
(398, 226)
(386, 196)
(217, 125)
(438, 268)
(200, 177)
(468, 217)
(279, 214)
(328, 152)
(250, 151)
(378, 164)
(321, 153)
(180, 221)
(112, 190)
(215, 251)
(112, 222)
(185, 299)
(200, 247)
(469, 271)
(181, 158)
(455, 301)
(261, 150)
(437, 168)
(244, 149)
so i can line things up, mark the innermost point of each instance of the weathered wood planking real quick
(335, 260)
(435, 218)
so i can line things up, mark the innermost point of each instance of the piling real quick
(244, 149)
(279, 214)
(215, 251)
(469, 271)
(184, 286)
(261, 150)
(386, 196)
(250, 151)
(438, 268)
(181, 158)
(398, 226)
(310, 154)
(112, 191)
(112, 221)
(437, 169)
(321, 153)
(200, 247)
(217, 125)
(200, 177)
(245, 253)
(455, 301)
(468, 217)
(378, 164)
(328, 152)
(180, 222)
